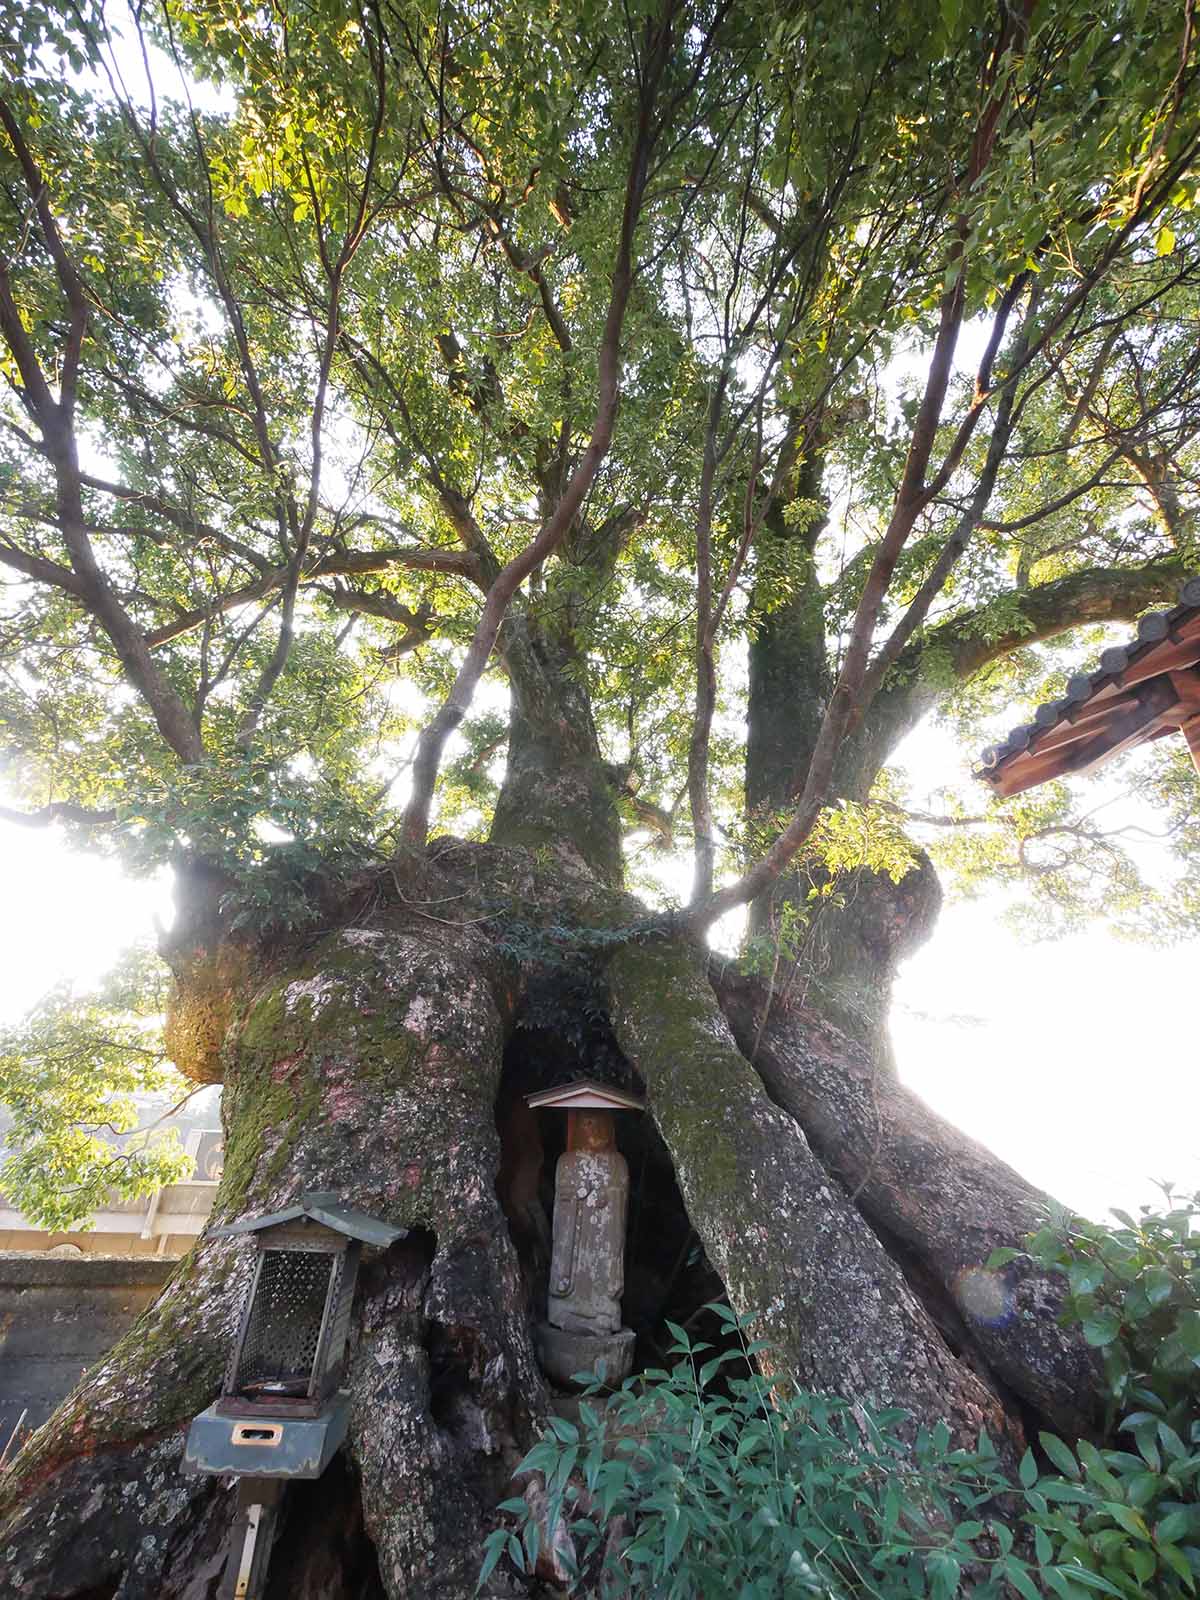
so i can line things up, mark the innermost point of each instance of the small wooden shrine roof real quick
(320, 1206)
(586, 1094)
(1145, 689)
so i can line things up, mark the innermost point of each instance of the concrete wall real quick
(58, 1316)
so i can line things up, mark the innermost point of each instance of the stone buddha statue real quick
(587, 1260)
(582, 1332)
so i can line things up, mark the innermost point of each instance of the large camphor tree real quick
(460, 463)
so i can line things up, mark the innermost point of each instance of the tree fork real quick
(556, 527)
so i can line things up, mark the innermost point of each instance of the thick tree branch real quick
(41, 570)
(433, 738)
(58, 811)
(56, 423)
(1095, 595)
(350, 563)
(418, 624)
(963, 645)
(935, 581)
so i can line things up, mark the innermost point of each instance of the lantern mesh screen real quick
(284, 1328)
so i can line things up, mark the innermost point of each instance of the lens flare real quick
(983, 1296)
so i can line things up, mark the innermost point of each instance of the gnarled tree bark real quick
(369, 1068)
(368, 1060)
(945, 1199)
(795, 1256)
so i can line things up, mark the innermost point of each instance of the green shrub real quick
(1130, 1515)
(733, 1489)
(689, 1483)
(1135, 1292)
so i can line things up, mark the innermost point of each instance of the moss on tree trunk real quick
(369, 1063)
(370, 1068)
(834, 1310)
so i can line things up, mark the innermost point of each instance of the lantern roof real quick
(1145, 689)
(585, 1094)
(320, 1206)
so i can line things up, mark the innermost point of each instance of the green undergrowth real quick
(687, 1483)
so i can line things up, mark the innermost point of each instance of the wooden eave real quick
(585, 1094)
(1141, 691)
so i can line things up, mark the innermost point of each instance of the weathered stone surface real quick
(46, 1269)
(587, 1261)
(58, 1316)
(563, 1354)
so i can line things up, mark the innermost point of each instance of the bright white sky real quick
(1073, 1059)
(1076, 1061)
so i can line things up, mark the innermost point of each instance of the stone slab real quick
(563, 1354)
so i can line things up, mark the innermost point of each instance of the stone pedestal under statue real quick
(587, 1259)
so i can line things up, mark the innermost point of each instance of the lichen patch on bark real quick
(370, 1068)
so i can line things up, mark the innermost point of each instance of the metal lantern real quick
(280, 1413)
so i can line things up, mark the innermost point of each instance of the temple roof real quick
(586, 1094)
(1142, 690)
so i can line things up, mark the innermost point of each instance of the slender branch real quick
(348, 564)
(935, 581)
(194, 527)
(453, 501)
(64, 268)
(331, 334)
(704, 849)
(521, 261)
(913, 494)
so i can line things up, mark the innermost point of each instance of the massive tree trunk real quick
(556, 795)
(941, 1201)
(368, 1066)
(384, 1057)
(793, 1252)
